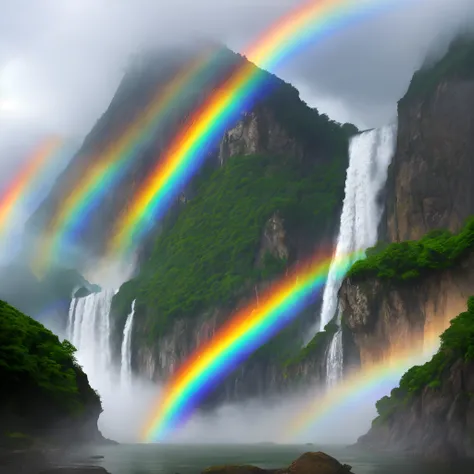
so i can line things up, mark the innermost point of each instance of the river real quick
(192, 459)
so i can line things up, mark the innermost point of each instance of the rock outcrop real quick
(386, 317)
(429, 183)
(307, 463)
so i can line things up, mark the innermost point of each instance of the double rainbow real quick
(111, 166)
(312, 21)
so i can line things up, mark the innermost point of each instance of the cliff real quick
(431, 413)
(397, 296)
(429, 183)
(45, 397)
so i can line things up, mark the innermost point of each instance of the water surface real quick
(192, 459)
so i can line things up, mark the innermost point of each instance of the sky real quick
(61, 61)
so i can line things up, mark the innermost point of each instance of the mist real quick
(127, 412)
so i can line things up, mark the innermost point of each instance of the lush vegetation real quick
(208, 256)
(411, 259)
(316, 347)
(458, 63)
(457, 342)
(36, 368)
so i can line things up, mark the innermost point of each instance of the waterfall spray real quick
(370, 154)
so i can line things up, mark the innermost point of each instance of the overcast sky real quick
(61, 60)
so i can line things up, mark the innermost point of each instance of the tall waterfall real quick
(370, 154)
(126, 365)
(89, 331)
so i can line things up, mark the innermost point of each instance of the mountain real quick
(268, 196)
(277, 123)
(419, 276)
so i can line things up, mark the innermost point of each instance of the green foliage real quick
(34, 363)
(458, 63)
(457, 342)
(316, 347)
(411, 259)
(209, 255)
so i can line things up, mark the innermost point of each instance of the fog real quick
(127, 412)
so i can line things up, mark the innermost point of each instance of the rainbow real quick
(21, 189)
(312, 20)
(247, 330)
(377, 379)
(109, 168)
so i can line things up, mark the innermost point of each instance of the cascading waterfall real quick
(126, 365)
(370, 154)
(89, 331)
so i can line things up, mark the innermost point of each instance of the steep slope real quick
(432, 411)
(430, 179)
(45, 396)
(278, 122)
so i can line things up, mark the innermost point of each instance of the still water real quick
(192, 459)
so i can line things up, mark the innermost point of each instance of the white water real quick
(126, 353)
(370, 154)
(89, 329)
(335, 357)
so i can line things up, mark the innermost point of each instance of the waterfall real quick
(126, 365)
(89, 331)
(370, 154)
(335, 357)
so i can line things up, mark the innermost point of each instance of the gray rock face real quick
(385, 317)
(429, 183)
(258, 132)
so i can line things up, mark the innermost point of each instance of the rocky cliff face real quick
(429, 184)
(431, 413)
(386, 317)
(437, 424)
(258, 132)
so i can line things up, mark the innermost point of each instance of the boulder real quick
(308, 463)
